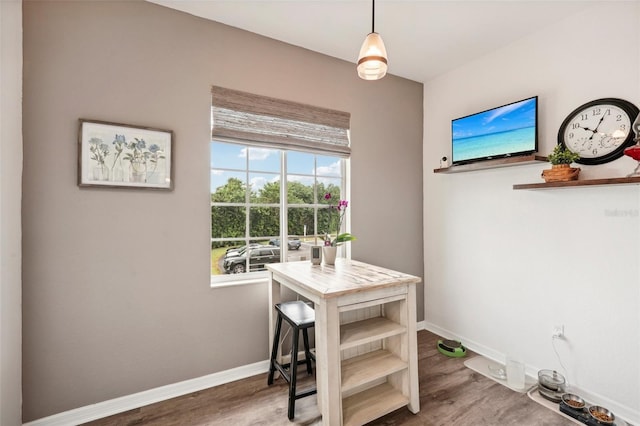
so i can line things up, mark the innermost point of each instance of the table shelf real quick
(375, 367)
(369, 330)
(371, 404)
(370, 367)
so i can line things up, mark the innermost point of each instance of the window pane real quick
(262, 256)
(300, 222)
(264, 222)
(263, 159)
(299, 191)
(222, 249)
(328, 166)
(228, 156)
(300, 162)
(228, 222)
(228, 187)
(327, 222)
(298, 250)
(265, 188)
(328, 186)
(240, 259)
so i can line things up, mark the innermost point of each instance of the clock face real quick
(599, 130)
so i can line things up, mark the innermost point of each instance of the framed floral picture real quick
(120, 155)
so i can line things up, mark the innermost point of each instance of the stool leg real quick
(307, 352)
(274, 350)
(293, 368)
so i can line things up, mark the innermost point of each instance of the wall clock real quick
(599, 130)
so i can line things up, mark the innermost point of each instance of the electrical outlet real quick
(558, 332)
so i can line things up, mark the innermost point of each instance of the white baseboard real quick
(151, 396)
(627, 413)
(140, 399)
(478, 348)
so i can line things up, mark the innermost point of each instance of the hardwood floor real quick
(450, 394)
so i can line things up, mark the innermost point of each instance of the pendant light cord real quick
(373, 16)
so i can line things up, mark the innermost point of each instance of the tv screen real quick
(506, 131)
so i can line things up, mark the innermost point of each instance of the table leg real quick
(328, 362)
(414, 387)
(274, 297)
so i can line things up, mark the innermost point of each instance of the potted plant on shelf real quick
(561, 170)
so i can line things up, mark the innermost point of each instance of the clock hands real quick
(596, 129)
(585, 128)
(585, 140)
(593, 131)
(600, 122)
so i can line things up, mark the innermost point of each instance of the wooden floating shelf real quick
(492, 164)
(580, 183)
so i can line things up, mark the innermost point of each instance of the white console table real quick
(365, 331)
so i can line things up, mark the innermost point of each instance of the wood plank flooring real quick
(450, 394)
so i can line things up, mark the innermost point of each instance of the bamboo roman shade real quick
(290, 125)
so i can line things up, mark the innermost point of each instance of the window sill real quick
(223, 281)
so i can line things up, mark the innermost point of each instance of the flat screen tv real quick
(506, 131)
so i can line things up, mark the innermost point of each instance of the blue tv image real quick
(506, 131)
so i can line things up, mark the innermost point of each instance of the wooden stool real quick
(300, 316)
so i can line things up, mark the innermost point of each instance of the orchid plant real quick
(341, 209)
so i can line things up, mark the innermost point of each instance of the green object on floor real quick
(451, 348)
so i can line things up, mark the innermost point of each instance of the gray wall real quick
(116, 282)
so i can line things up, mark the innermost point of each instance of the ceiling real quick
(424, 38)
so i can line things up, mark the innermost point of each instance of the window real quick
(272, 162)
(251, 214)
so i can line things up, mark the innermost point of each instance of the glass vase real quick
(138, 172)
(100, 172)
(117, 172)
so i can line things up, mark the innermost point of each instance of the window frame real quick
(253, 277)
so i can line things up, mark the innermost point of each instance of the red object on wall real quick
(633, 151)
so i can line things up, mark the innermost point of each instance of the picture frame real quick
(114, 155)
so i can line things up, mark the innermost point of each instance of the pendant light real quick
(372, 61)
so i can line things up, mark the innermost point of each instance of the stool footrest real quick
(285, 369)
(300, 362)
(307, 392)
(284, 373)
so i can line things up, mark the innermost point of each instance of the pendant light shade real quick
(372, 61)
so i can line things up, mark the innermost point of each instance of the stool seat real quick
(300, 317)
(297, 313)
